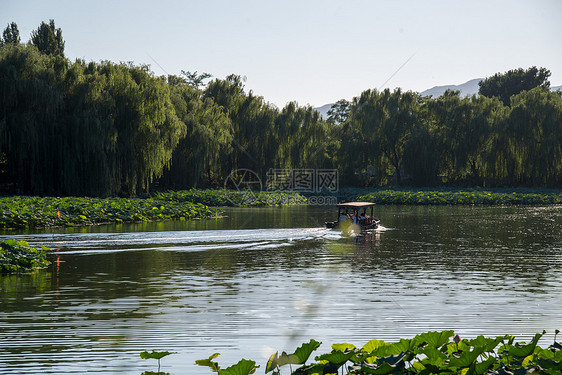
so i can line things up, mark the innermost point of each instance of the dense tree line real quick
(77, 128)
(454, 140)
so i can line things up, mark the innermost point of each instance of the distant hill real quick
(324, 110)
(467, 89)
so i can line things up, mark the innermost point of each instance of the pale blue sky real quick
(314, 52)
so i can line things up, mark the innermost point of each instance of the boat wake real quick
(95, 243)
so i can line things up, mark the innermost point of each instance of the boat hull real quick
(336, 225)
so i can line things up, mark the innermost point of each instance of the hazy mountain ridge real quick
(468, 88)
(324, 109)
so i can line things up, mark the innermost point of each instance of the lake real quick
(269, 279)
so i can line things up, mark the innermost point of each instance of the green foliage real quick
(462, 197)
(48, 39)
(385, 120)
(209, 362)
(104, 129)
(425, 354)
(83, 129)
(243, 367)
(512, 82)
(339, 112)
(194, 79)
(36, 212)
(154, 355)
(338, 357)
(223, 197)
(11, 35)
(300, 356)
(19, 257)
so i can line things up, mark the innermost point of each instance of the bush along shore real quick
(427, 353)
(19, 257)
(452, 196)
(224, 197)
(39, 212)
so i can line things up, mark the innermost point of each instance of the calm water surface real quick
(270, 279)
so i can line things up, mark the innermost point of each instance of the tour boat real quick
(354, 213)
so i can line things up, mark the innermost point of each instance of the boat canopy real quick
(355, 205)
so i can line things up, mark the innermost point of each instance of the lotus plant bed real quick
(39, 212)
(427, 353)
(461, 197)
(227, 197)
(19, 257)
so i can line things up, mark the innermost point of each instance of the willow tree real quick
(534, 129)
(386, 119)
(351, 162)
(301, 133)
(145, 121)
(228, 94)
(465, 130)
(197, 159)
(422, 151)
(76, 129)
(31, 105)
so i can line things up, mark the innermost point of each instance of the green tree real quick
(11, 35)
(82, 129)
(31, 99)
(465, 130)
(423, 151)
(355, 157)
(512, 82)
(339, 112)
(533, 138)
(194, 79)
(386, 120)
(48, 39)
(196, 159)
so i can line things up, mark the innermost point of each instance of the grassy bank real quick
(19, 257)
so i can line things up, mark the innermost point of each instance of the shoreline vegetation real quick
(455, 196)
(20, 257)
(23, 212)
(427, 353)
